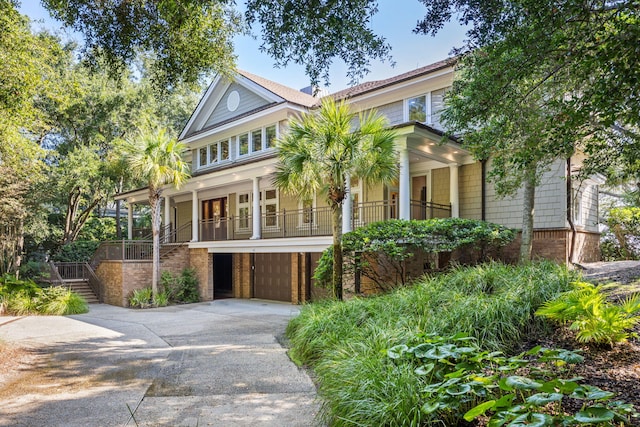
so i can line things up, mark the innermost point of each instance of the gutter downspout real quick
(574, 232)
(483, 189)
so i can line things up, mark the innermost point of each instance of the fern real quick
(594, 319)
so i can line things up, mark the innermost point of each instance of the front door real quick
(214, 219)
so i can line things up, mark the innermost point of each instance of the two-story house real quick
(247, 240)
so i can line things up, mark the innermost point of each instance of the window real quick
(256, 140)
(224, 150)
(356, 190)
(270, 205)
(271, 136)
(426, 108)
(202, 156)
(243, 144)
(417, 108)
(308, 214)
(243, 211)
(577, 207)
(248, 143)
(213, 153)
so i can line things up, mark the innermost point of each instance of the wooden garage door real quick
(272, 277)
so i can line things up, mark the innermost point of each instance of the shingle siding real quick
(470, 183)
(394, 112)
(550, 202)
(249, 101)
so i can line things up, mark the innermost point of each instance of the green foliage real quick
(187, 38)
(98, 229)
(624, 223)
(525, 57)
(390, 243)
(24, 297)
(346, 343)
(161, 299)
(25, 67)
(33, 270)
(458, 380)
(321, 150)
(78, 251)
(596, 320)
(313, 34)
(182, 288)
(59, 301)
(141, 298)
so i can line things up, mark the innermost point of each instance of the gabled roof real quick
(379, 84)
(284, 92)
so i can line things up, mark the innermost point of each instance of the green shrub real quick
(34, 270)
(624, 223)
(161, 300)
(182, 288)
(596, 320)
(346, 343)
(59, 301)
(141, 298)
(387, 245)
(460, 381)
(98, 229)
(24, 297)
(78, 251)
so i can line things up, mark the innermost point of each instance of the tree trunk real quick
(336, 209)
(118, 205)
(118, 228)
(526, 243)
(19, 246)
(154, 199)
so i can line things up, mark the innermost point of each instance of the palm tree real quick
(156, 158)
(323, 148)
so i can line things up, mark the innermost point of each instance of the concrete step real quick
(82, 288)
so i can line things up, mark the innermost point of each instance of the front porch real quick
(312, 222)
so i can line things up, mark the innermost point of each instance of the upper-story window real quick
(257, 140)
(213, 153)
(426, 108)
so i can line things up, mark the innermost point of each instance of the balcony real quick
(311, 222)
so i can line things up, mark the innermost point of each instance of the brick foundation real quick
(202, 261)
(555, 245)
(120, 279)
(242, 276)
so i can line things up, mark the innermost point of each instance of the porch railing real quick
(66, 271)
(311, 222)
(122, 250)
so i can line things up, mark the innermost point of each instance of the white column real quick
(129, 220)
(255, 215)
(404, 187)
(195, 223)
(347, 206)
(167, 211)
(454, 193)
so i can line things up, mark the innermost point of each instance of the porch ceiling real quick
(284, 245)
(425, 143)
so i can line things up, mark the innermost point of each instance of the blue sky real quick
(392, 21)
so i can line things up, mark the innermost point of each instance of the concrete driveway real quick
(217, 363)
